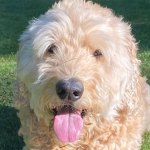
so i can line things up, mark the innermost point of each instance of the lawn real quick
(14, 16)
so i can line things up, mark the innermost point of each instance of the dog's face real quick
(76, 61)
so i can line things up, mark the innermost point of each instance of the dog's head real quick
(75, 60)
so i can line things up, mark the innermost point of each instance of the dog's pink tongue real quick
(67, 126)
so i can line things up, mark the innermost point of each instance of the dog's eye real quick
(50, 50)
(97, 53)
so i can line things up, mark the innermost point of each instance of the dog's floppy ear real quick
(26, 65)
(21, 94)
(132, 45)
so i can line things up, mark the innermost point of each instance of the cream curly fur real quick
(116, 97)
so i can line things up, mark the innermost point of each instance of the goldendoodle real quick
(78, 81)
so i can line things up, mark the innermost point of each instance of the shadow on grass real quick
(9, 126)
(14, 17)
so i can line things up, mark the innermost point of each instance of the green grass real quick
(7, 67)
(14, 16)
(9, 123)
(145, 64)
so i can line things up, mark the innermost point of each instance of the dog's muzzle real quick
(70, 90)
(68, 121)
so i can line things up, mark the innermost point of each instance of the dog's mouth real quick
(68, 123)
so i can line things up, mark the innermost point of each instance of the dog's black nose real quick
(71, 89)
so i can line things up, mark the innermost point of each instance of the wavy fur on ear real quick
(115, 105)
(146, 95)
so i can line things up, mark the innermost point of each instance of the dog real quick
(79, 85)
